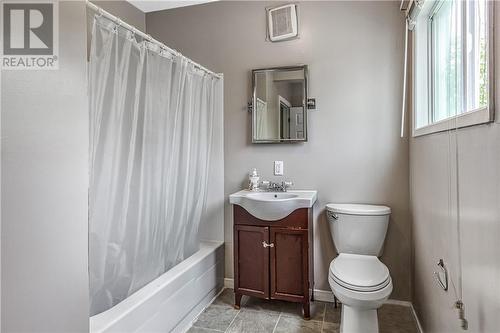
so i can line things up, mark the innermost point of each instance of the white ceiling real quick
(154, 5)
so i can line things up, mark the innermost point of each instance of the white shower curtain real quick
(151, 117)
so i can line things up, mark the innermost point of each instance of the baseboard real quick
(398, 302)
(323, 296)
(228, 283)
(419, 326)
(327, 296)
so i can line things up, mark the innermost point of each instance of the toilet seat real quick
(360, 273)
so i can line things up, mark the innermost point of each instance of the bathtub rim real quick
(101, 321)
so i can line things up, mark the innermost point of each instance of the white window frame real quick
(465, 119)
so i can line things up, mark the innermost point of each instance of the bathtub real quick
(170, 302)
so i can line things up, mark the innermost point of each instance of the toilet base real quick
(355, 320)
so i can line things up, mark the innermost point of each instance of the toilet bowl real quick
(359, 280)
(362, 284)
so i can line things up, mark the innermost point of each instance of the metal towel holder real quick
(444, 284)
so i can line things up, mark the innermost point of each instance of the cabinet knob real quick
(264, 244)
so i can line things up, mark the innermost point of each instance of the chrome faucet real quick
(276, 187)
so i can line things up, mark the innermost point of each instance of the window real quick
(452, 65)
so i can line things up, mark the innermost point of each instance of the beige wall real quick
(434, 193)
(355, 52)
(44, 189)
(124, 11)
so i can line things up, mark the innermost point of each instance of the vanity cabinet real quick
(274, 259)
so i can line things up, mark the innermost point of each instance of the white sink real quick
(271, 196)
(272, 206)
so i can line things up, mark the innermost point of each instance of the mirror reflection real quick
(279, 105)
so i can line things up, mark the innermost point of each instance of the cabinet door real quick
(289, 264)
(251, 256)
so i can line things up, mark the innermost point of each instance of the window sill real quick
(472, 118)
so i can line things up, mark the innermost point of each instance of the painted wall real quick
(44, 123)
(355, 55)
(434, 202)
(125, 11)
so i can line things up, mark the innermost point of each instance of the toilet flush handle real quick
(332, 215)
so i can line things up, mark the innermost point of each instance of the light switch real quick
(278, 168)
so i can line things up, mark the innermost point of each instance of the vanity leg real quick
(307, 310)
(237, 301)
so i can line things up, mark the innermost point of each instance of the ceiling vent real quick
(282, 23)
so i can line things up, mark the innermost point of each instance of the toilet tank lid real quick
(357, 209)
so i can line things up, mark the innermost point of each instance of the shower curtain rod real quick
(147, 37)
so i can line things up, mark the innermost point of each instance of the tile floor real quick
(261, 316)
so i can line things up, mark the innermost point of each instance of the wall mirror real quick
(279, 105)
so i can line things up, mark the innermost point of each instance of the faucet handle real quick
(287, 184)
(264, 184)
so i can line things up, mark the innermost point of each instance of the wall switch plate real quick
(278, 168)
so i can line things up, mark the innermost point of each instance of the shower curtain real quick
(151, 116)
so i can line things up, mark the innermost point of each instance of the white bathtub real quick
(173, 300)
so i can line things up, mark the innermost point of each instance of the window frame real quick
(465, 119)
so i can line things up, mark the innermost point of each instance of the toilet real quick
(359, 280)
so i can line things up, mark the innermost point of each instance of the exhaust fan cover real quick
(282, 22)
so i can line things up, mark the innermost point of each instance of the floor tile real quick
(297, 325)
(290, 309)
(332, 314)
(396, 318)
(194, 329)
(262, 316)
(216, 317)
(331, 327)
(249, 321)
(257, 304)
(226, 298)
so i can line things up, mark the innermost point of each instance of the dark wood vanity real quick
(274, 259)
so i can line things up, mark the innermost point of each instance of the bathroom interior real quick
(251, 166)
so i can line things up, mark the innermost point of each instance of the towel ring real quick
(437, 275)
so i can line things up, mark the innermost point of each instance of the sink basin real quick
(272, 206)
(274, 196)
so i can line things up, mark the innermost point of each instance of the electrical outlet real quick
(278, 168)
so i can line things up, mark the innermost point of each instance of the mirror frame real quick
(254, 101)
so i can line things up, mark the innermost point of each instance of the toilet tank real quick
(358, 229)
